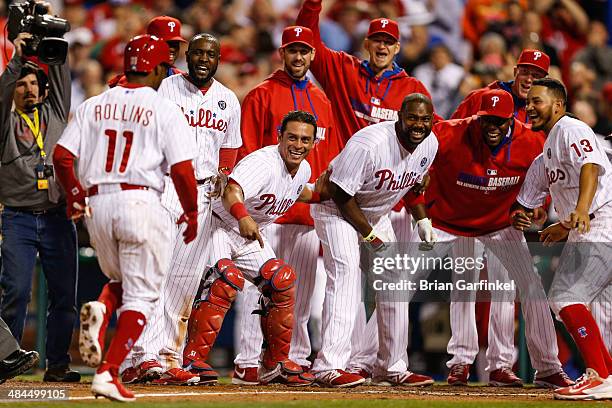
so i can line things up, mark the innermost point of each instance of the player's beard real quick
(199, 81)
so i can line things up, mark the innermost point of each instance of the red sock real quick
(111, 296)
(129, 327)
(582, 327)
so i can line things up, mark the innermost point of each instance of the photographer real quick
(34, 218)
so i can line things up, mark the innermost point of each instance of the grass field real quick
(231, 396)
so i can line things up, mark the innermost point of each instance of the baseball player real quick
(168, 29)
(262, 187)
(483, 159)
(377, 167)
(213, 113)
(463, 345)
(263, 110)
(577, 171)
(361, 92)
(124, 139)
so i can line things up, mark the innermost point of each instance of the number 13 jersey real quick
(128, 134)
(570, 145)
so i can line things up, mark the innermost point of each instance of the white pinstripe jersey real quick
(214, 118)
(375, 169)
(268, 188)
(571, 144)
(127, 135)
(535, 187)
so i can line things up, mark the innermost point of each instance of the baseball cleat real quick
(459, 374)
(588, 387)
(130, 375)
(90, 342)
(504, 377)
(285, 372)
(554, 381)
(177, 376)
(362, 372)
(145, 372)
(338, 379)
(406, 379)
(245, 376)
(207, 375)
(107, 384)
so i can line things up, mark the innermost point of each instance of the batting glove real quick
(191, 219)
(76, 206)
(426, 233)
(376, 243)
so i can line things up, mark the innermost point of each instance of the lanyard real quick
(35, 128)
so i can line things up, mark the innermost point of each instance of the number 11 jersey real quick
(128, 134)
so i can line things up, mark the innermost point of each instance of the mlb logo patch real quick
(423, 161)
(491, 172)
(549, 153)
(375, 101)
(582, 331)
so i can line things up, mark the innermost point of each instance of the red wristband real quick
(239, 211)
(316, 197)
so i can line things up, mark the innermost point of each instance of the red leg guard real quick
(207, 315)
(277, 286)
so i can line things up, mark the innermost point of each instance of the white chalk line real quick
(305, 393)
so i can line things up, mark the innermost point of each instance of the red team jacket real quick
(263, 110)
(472, 187)
(359, 98)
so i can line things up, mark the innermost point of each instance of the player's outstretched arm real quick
(579, 218)
(233, 201)
(184, 181)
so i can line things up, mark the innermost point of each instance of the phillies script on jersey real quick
(204, 118)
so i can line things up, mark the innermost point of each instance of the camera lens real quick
(53, 51)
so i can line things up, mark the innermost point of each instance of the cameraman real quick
(34, 217)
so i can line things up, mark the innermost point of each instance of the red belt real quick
(93, 190)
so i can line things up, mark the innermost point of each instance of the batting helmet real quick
(145, 52)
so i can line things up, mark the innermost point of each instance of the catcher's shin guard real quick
(276, 282)
(207, 314)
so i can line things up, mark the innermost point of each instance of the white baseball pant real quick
(584, 271)
(297, 245)
(164, 338)
(129, 231)
(364, 341)
(343, 297)
(463, 345)
(510, 247)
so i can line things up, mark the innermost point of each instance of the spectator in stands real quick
(442, 77)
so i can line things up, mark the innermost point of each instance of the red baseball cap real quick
(298, 34)
(496, 102)
(384, 25)
(165, 27)
(535, 58)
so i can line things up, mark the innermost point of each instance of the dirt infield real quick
(233, 393)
